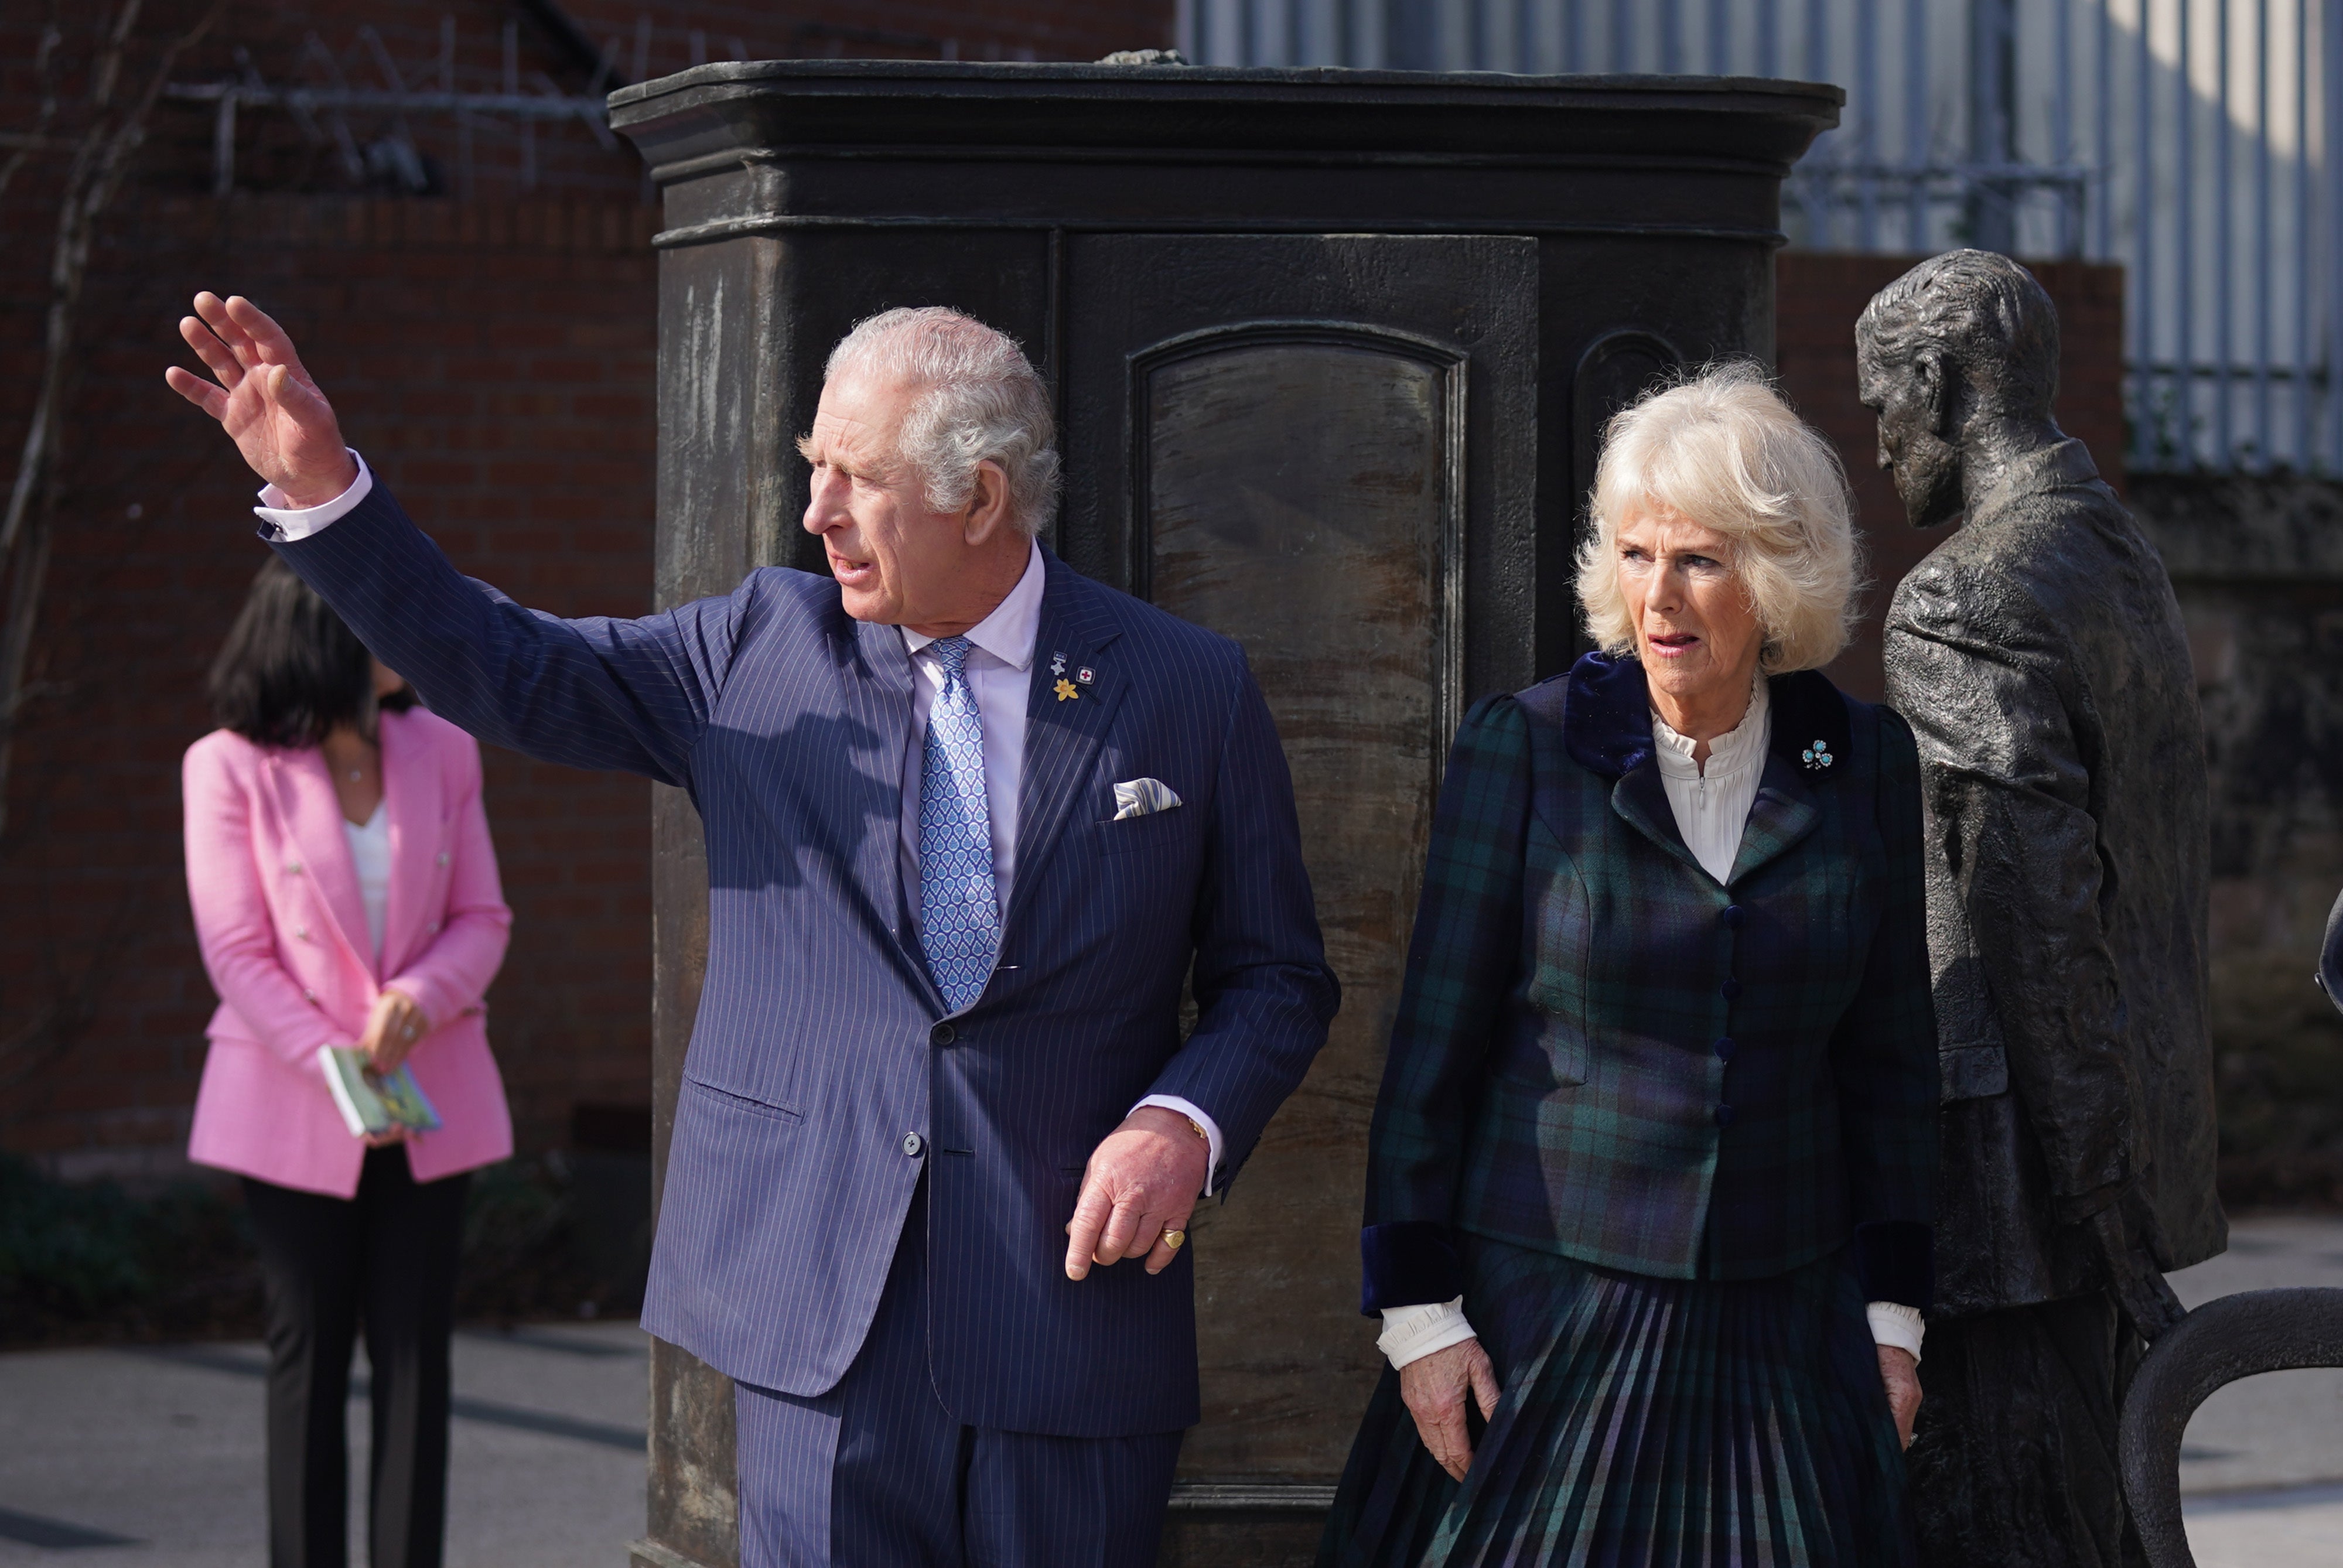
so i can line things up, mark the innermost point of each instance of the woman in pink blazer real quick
(345, 893)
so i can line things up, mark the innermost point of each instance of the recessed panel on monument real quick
(1327, 348)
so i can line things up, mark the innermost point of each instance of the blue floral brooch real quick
(1818, 757)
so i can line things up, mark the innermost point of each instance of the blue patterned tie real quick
(960, 922)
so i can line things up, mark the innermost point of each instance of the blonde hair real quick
(1722, 448)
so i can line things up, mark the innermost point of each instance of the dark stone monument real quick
(2039, 656)
(1331, 352)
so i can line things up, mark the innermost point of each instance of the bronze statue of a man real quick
(2039, 656)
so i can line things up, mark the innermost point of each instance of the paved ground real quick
(152, 1458)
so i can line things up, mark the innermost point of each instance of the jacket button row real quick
(1724, 1116)
(1725, 1048)
(1731, 917)
(1732, 990)
(943, 1034)
(912, 1144)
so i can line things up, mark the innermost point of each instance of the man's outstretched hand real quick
(263, 399)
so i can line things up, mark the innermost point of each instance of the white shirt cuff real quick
(1195, 1113)
(300, 522)
(1412, 1334)
(1894, 1323)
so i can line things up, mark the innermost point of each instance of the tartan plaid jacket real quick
(1601, 1052)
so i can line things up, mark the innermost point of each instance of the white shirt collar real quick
(1742, 747)
(1009, 631)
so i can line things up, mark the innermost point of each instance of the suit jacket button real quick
(1731, 917)
(1732, 990)
(1724, 1116)
(301, 932)
(943, 1034)
(434, 928)
(443, 857)
(912, 1144)
(1724, 1048)
(308, 995)
(293, 868)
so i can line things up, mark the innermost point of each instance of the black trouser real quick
(2013, 1463)
(387, 1257)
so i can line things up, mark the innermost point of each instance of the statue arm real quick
(2009, 795)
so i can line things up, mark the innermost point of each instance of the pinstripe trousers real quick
(878, 1473)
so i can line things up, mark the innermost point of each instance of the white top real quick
(1712, 803)
(370, 853)
(998, 671)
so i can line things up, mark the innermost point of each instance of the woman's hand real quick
(396, 1027)
(1434, 1387)
(1900, 1372)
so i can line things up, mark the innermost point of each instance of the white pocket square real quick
(1142, 797)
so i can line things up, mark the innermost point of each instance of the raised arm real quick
(591, 693)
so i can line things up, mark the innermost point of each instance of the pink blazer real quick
(284, 936)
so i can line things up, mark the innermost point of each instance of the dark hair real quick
(290, 671)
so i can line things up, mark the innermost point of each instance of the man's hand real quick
(396, 1027)
(1144, 1180)
(1434, 1387)
(2143, 1298)
(1901, 1374)
(265, 400)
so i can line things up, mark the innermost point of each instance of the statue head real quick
(1955, 358)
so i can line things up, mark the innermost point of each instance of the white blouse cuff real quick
(1412, 1334)
(1894, 1323)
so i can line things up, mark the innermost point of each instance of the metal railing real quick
(2187, 140)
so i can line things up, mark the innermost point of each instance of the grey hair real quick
(984, 402)
(1983, 312)
(1722, 448)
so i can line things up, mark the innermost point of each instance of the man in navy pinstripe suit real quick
(972, 821)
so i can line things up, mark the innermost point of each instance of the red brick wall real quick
(494, 359)
(496, 364)
(1818, 297)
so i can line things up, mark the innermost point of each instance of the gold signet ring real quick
(1175, 1240)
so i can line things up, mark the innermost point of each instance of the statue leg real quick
(2014, 1460)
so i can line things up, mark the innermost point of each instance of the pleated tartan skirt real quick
(1644, 1423)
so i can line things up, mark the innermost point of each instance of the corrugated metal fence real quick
(2185, 139)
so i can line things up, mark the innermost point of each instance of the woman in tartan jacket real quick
(1651, 1175)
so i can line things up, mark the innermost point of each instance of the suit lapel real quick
(876, 675)
(313, 819)
(413, 808)
(1062, 735)
(1641, 796)
(1811, 734)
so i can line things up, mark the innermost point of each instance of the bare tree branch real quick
(102, 158)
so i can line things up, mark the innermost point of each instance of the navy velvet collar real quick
(1607, 718)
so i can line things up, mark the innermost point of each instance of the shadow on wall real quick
(2258, 564)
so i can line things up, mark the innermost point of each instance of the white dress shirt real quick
(1711, 801)
(998, 675)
